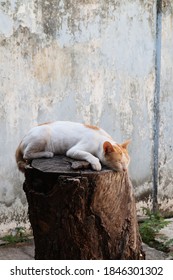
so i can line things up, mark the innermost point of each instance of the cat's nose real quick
(124, 169)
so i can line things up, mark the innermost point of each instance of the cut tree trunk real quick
(81, 214)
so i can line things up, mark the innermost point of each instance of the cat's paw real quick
(49, 155)
(96, 165)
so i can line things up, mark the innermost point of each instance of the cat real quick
(75, 140)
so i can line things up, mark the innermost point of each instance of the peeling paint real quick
(6, 24)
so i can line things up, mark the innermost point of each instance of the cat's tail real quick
(21, 163)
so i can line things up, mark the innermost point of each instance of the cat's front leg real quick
(82, 155)
(96, 165)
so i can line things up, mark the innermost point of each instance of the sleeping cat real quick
(75, 140)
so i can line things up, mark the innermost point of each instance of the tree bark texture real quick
(81, 214)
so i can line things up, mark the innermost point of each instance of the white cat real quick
(75, 140)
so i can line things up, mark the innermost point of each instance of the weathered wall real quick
(89, 61)
(165, 190)
(164, 49)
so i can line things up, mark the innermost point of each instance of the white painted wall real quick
(166, 113)
(89, 61)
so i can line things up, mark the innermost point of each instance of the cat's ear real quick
(125, 144)
(107, 147)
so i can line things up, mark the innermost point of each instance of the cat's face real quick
(116, 157)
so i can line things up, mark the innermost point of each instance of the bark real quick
(81, 214)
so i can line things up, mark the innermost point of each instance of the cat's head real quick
(116, 156)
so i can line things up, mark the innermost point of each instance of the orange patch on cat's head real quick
(91, 126)
(116, 156)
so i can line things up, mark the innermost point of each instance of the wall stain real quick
(167, 7)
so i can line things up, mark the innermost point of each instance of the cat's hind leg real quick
(33, 155)
(37, 150)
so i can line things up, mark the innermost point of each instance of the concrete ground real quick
(25, 251)
(20, 251)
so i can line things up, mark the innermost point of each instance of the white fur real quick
(75, 140)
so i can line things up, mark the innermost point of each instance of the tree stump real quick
(81, 214)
